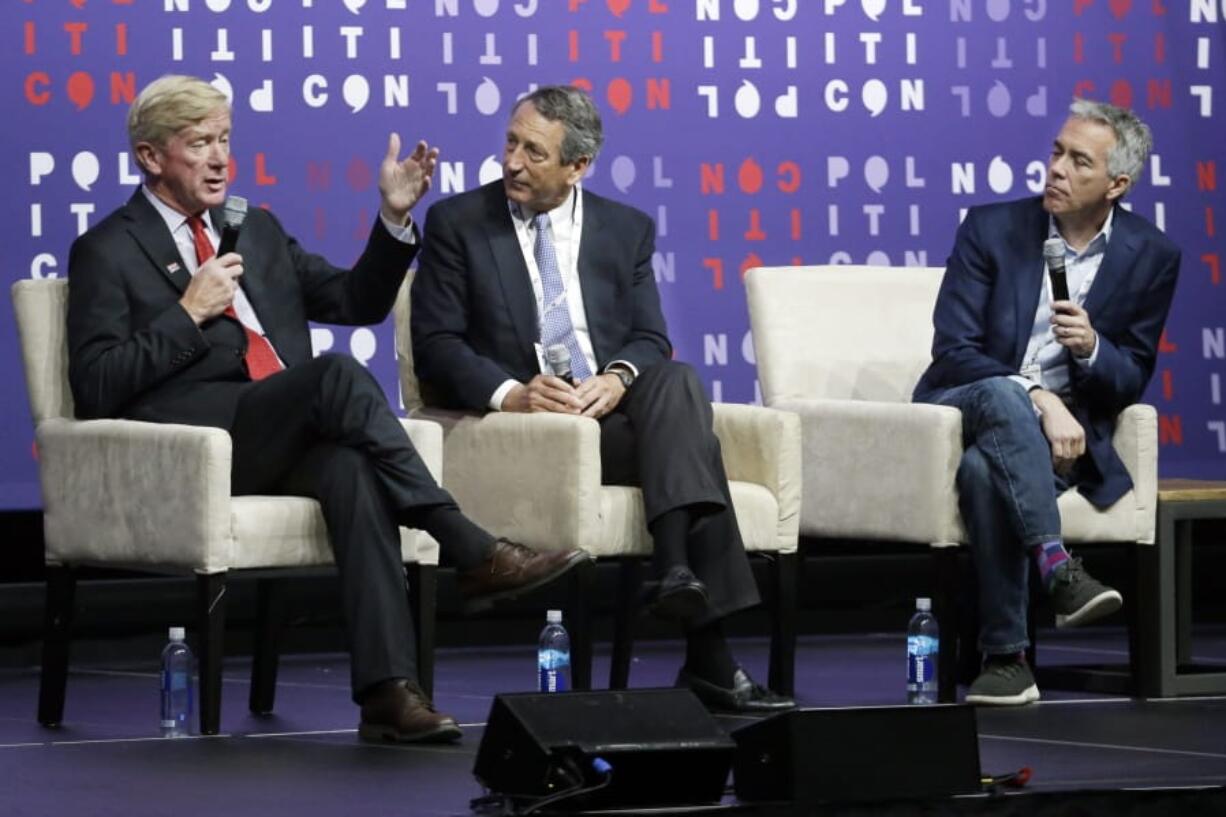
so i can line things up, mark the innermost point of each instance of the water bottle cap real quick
(178, 634)
(553, 617)
(923, 604)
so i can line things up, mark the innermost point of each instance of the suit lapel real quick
(1028, 277)
(1116, 265)
(513, 273)
(149, 230)
(598, 290)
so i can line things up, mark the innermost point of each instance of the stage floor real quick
(306, 759)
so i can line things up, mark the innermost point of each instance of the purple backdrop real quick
(755, 131)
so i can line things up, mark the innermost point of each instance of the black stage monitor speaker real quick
(858, 754)
(662, 747)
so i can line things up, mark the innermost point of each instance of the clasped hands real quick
(594, 397)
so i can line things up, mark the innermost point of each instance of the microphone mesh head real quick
(559, 358)
(234, 211)
(1053, 248)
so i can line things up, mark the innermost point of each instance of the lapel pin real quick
(172, 267)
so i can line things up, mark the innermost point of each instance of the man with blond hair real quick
(1041, 376)
(161, 328)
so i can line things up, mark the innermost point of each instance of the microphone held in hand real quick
(234, 212)
(1053, 254)
(559, 361)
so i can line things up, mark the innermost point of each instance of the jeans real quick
(1007, 495)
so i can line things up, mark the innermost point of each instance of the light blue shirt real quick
(1045, 364)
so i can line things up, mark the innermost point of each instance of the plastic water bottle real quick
(923, 643)
(176, 686)
(553, 655)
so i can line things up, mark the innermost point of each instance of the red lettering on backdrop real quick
(1209, 225)
(80, 89)
(1211, 260)
(713, 225)
(656, 7)
(36, 81)
(1121, 93)
(615, 37)
(1168, 385)
(657, 46)
(572, 40)
(1206, 175)
(121, 39)
(75, 30)
(262, 177)
(31, 45)
(717, 271)
(789, 177)
(1080, 6)
(796, 224)
(1165, 347)
(749, 176)
(659, 94)
(752, 260)
(123, 87)
(755, 233)
(1117, 41)
(711, 178)
(1170, 429)
(619, 94)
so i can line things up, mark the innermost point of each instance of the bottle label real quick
(552, 666)
(921, 659)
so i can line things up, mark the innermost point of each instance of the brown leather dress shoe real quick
(397, 711)
(511, 570)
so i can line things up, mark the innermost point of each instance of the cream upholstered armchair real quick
(156, 497)
(536, 479)
(842, 347)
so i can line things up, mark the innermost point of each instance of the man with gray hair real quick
(165, 328)
(1040, 375)
(534, 268)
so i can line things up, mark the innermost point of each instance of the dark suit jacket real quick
(135, 353)
(473, 311)
(986, 306)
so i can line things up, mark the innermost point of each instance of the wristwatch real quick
(625, 375)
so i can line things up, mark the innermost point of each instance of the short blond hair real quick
(168, 105)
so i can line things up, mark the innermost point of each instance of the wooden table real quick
(1164, 666)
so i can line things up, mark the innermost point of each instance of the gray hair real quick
(577, 113)
(1133, 139)
(168, 105)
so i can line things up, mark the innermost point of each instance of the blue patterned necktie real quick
(555, 323)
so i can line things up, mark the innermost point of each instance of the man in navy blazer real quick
(532, 277)
(1040, 379)
(161, 328)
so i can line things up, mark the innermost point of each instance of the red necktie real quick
(260, 358)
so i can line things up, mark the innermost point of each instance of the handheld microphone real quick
(1053, 254)
(234, 212)
(559, 360)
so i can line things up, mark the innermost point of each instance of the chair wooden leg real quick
(579, 624)
(945, 562)
(423, 599)
(211, 621)
(60, 605)
(629, 586)
(782, 675)
(269, 618)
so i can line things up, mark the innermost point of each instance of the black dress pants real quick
(324, 430)
(661, 438)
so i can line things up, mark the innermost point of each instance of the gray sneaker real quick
(1079, 598)
(1005, 681)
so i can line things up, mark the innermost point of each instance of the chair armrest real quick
(879, 470)
(763, 446)
(1136, 442)
(427, 438)
(128, 492)
(534, 478)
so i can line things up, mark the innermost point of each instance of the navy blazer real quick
(986, 306)
(135, 353)
(474, 315)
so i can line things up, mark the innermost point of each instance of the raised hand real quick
(403, 183)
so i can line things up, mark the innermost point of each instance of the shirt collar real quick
(565, 210)
(173, 218)
(1097, 245)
